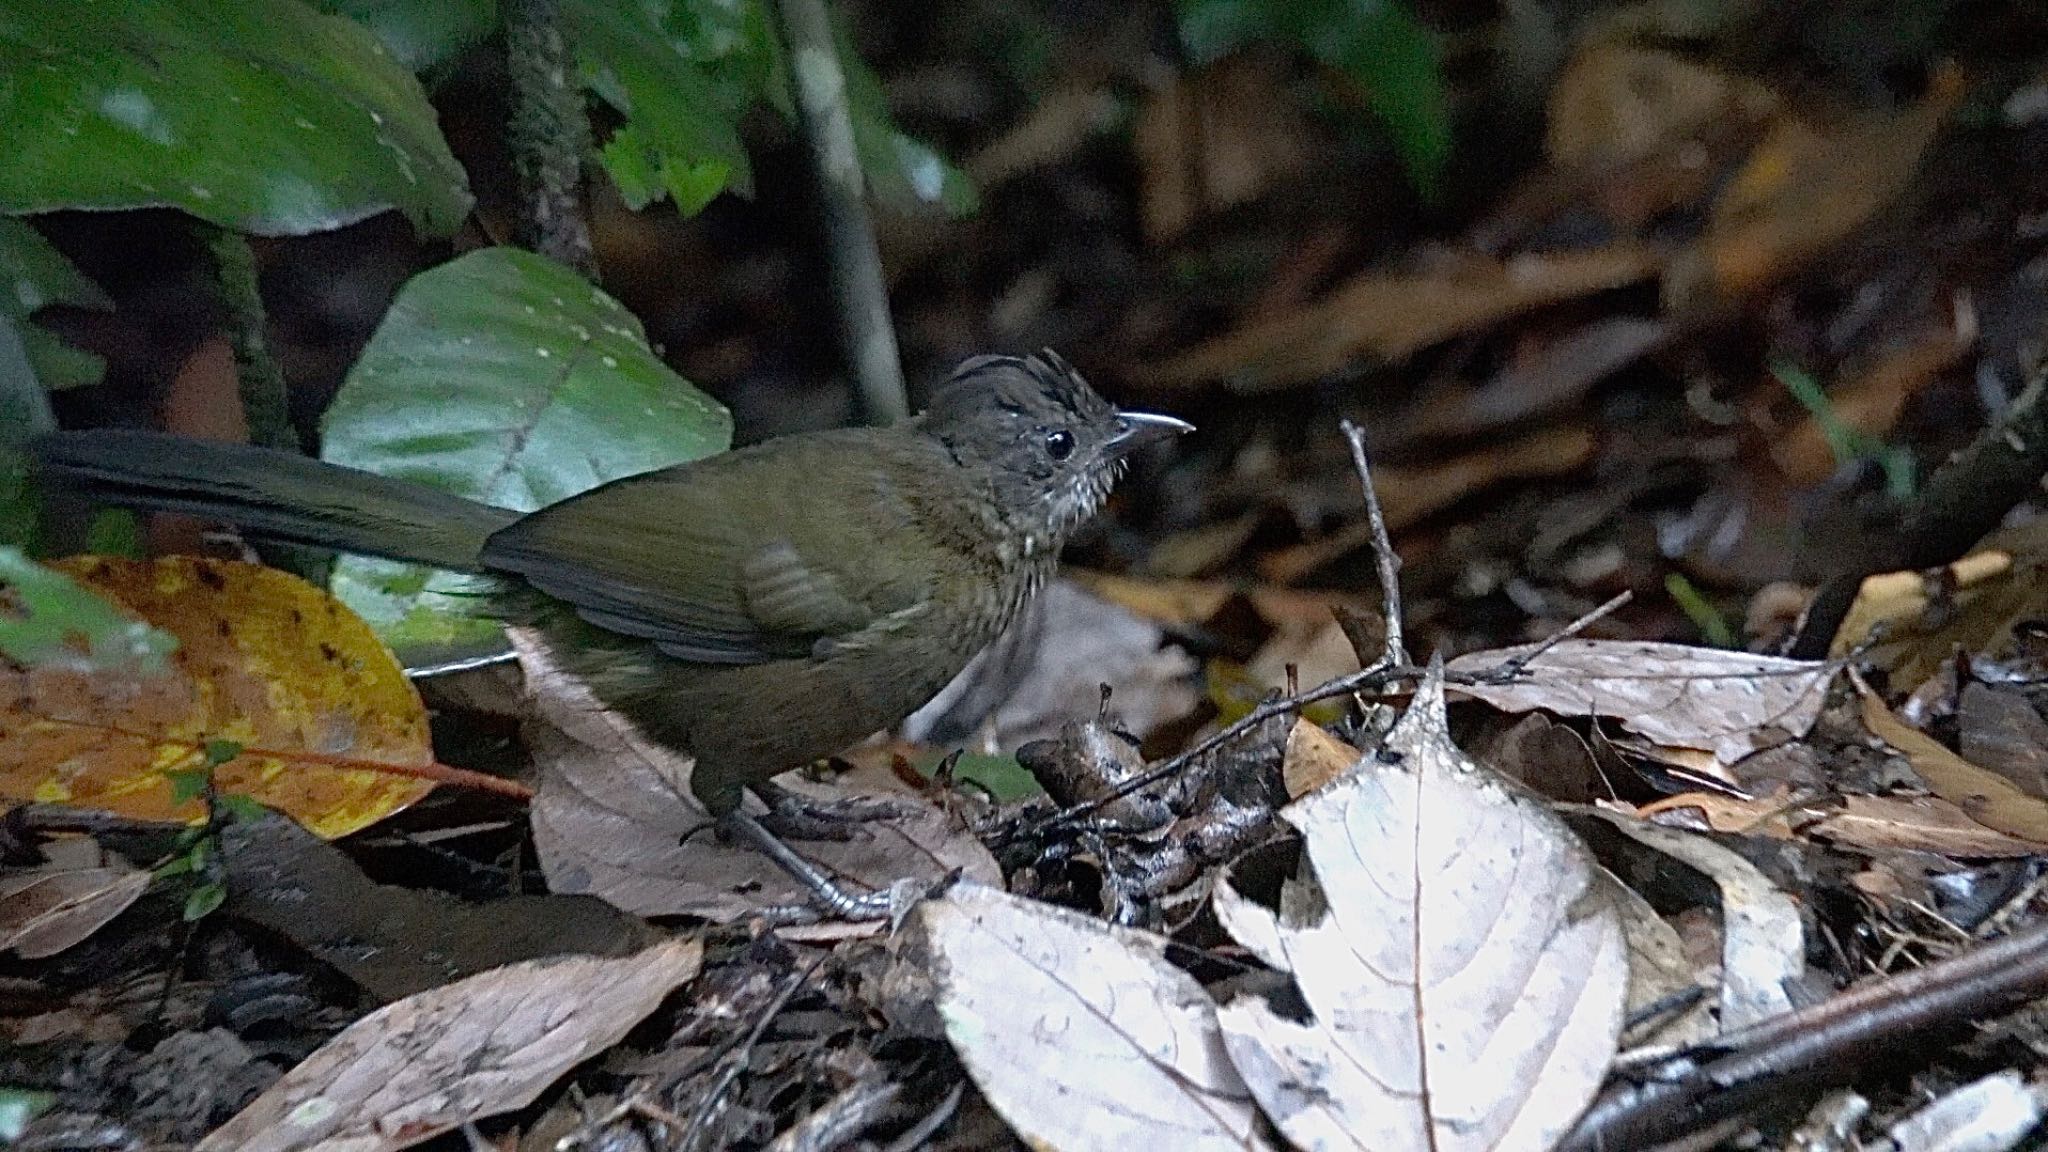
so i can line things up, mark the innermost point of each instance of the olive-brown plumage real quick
(761, 608)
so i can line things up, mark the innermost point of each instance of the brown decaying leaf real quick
(1910, 623)
(45, 910)
(432, 1062)
(1983, 796)
(1658, 970)
(1408, 494)
(1464, 968)
(615, 819)
(1214, 138)
(1314, 758)
(264, 659)
(1387, 316)
(1866, 823)
(2001, 730)
(1082, 1035)
(1615, 104)
(1709, 699)
(1802, 190)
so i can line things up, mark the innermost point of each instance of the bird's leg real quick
(828, 890)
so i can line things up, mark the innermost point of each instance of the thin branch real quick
(859, 288)
(550, 135)
(1515, 667)
(738, 1058)
(1386, 562)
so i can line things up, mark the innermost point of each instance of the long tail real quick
(272, 494)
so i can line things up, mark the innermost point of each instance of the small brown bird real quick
(761, 608)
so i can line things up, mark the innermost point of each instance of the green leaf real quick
(188, 784)
(644, 175)
(679, 112)
(18, 1106)
(422, 33)
(24, 414)
(219, 752)
(48, 621)
(506, 378)
(33, 276)
(902, 172)
(204, 901)
(1004, 778)
(241, 807)
(1377, 43)
(260, 115)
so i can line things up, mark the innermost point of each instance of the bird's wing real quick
(731, 560)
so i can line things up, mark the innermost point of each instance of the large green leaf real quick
(422, 33)
(34, 275)
(52, 622)
(1377, 43)
(261, 115)
(684, 73)
(506, 378)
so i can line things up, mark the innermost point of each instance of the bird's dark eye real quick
(1059, 445)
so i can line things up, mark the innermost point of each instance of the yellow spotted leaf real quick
(264, 659)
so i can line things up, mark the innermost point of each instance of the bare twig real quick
(550, 135)
(737, 1059)
(1820, 1046)
(1515, 667)
(859, 289)
(842, 1119)
(917, 1134)
(1386, 562)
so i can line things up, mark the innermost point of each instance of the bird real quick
(760, 608)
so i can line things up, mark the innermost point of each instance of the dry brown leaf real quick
(264, 659)
(614, 818)
(1802, 191)
(432, 1062)
(1708, 699)
(45, 910)
(2001, 730)
(1909, 623)
(1465, 974)
(1314, 758)
(1384, 316)
(1408, 494)
(1865, 823)
(1215, 138)
(1983, 796)
(1082, 1035)
(1658, 971)
(1616, 104)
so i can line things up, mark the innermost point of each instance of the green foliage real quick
(48, 621)
(24, 413)
(1845, 443)
(18, 1106)
(685, 72)
(261, 115)
(422, 34)
(1713, 626)
(503, 377)
(1005, 779)
(1376, 43)
(34, 275)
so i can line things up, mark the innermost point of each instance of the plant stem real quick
(550, 135)
(859, 288)
(266, 402)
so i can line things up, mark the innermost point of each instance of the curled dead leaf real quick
(1984, 796)
(45, 910)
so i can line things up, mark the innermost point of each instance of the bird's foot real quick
(825, 888)
(793, 816)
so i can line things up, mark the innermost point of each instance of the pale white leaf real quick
(1988, 1115)
(1710, 699)
(480, 1046)
(1081, 1034)
(1763, 942)
(1465, 971)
